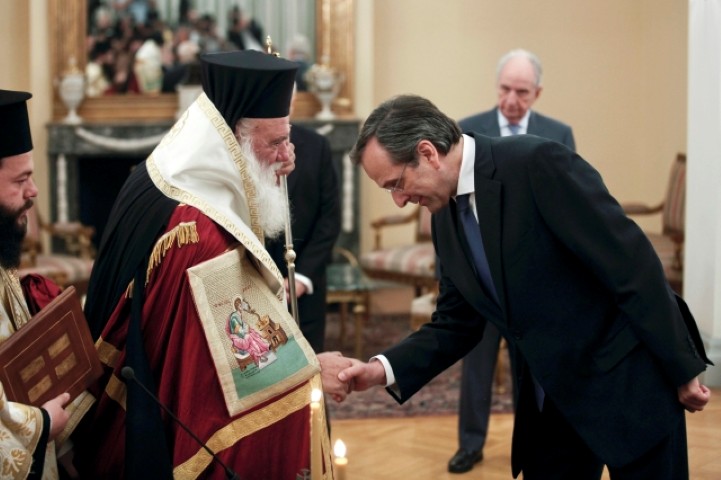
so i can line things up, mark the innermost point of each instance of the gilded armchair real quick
(669, 243)
(412, 264)
(73, 266)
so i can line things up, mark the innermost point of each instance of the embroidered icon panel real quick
(256, 346)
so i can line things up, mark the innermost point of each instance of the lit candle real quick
(340, 459)
(316, 454)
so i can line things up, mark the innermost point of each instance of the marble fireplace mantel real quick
(68, 143)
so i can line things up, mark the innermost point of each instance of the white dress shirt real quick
(465, 185)
(503, 124)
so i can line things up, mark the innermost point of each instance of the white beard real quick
(270, 198)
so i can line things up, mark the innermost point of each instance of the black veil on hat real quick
(248, 84)
(14, 123)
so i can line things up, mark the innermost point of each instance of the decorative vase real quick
(148, 68)
(72, 91)
(324, 82)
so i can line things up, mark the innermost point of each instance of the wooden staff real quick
(289, 252)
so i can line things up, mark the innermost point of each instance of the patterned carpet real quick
(439, 397)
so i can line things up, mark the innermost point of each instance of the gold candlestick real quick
(316, 453)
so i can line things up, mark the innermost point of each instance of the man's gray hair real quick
(519, 52)
(400, 123)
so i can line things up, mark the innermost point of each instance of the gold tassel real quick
(182, 234)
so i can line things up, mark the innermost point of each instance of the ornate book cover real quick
(52, 354)
(258, 350)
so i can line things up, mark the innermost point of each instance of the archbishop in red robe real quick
(153, 307)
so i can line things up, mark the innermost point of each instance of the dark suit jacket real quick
(315, 212)
(539, 125)
(253, 28)
(582, 293)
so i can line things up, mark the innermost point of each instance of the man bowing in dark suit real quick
(531, 241)
(519, 85)
(315, 220)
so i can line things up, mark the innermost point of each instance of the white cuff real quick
(390, 378)
(305, 281)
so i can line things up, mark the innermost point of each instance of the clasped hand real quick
(341, 375)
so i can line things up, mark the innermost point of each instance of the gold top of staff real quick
(269, 47)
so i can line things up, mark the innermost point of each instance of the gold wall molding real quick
(68, 26)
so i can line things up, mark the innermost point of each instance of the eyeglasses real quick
(397, 188)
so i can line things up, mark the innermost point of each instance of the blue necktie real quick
(480, 262)
(475, 245)
(514, 129)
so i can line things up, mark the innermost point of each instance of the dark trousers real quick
(312, 310)
(478, 373)
(554, 451)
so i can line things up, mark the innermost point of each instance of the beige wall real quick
(26, 67)
(615, 70)
(15, 54)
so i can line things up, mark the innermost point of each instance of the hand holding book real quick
(58, 415)
(51, 355)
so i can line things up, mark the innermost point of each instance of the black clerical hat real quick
(248, 84)
(14, 123)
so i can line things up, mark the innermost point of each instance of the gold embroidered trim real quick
(13, 300)
(182, 234)
(329, 473)
(255, 247)
(231, 143)
(108, 353)
(115, 389)
(24, 424)
(245, 426)
(77, 410)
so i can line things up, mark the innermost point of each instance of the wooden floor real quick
(419, 448)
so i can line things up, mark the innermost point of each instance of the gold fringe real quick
(183, 234)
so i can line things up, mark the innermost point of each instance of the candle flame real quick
(316, 395)
(339, 449)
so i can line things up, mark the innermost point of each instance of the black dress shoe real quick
(464, 460)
